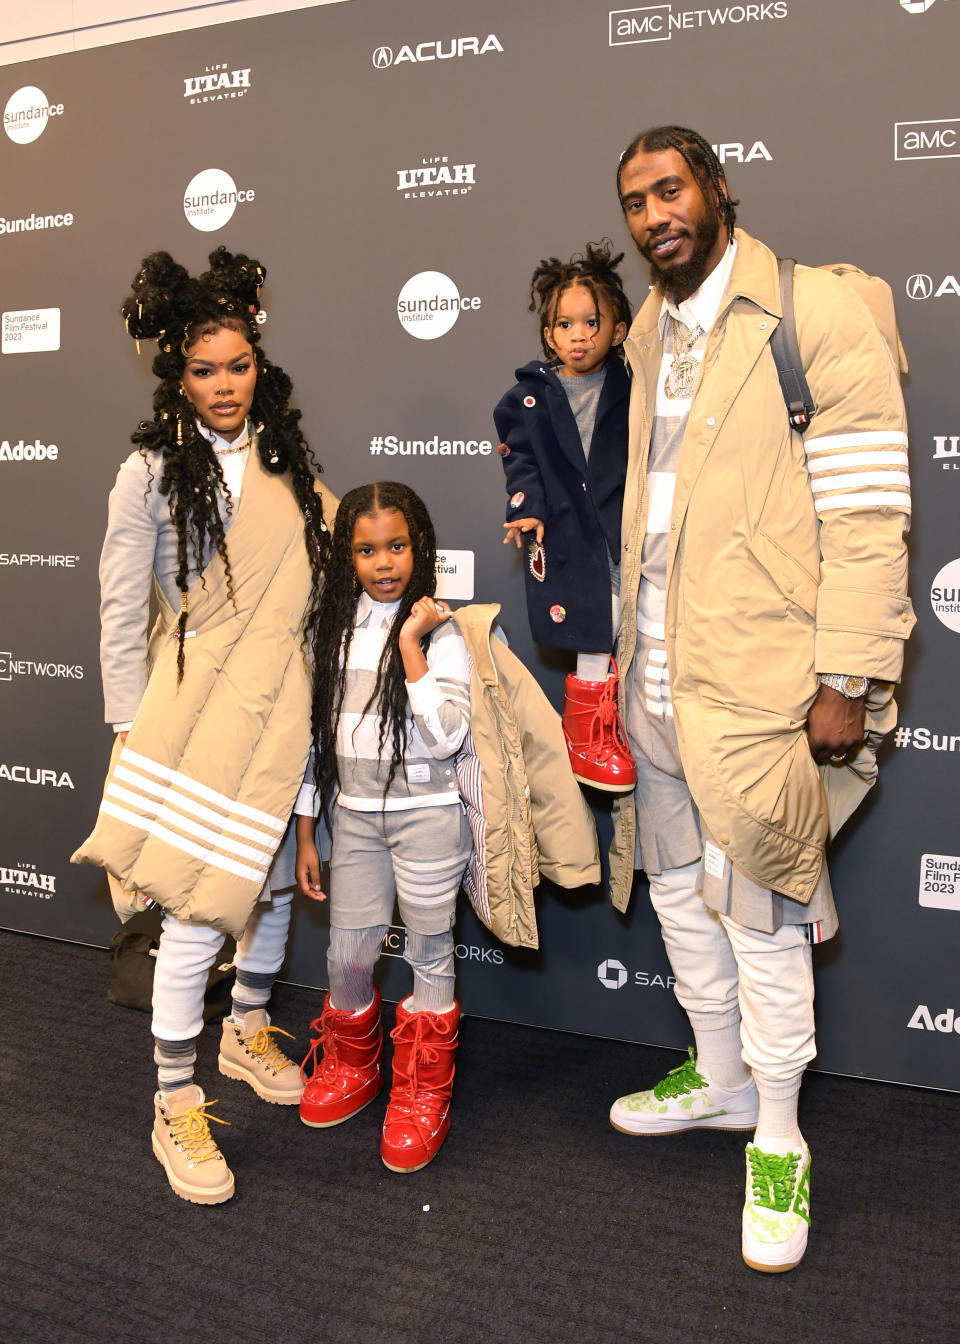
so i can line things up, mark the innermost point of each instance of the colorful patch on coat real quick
(538, 560)
(529, 401)
(504, 449)
(558, 613)
(517, 499)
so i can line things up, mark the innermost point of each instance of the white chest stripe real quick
(660, 487)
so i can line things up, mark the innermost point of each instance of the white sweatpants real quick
(725, 972)
(187, 951)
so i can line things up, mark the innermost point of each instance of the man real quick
(765, 610)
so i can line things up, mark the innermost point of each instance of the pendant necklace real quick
(681, 376)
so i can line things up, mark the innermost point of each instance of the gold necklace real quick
(681, 377)
(225, 452)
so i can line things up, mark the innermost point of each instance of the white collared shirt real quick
(233, 456)
(703, 305)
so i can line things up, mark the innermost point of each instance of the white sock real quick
(593, 666)
(777, 1129)
(718, 1052)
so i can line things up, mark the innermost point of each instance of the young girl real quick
(218, 510)
(387, 726)
(563, 432)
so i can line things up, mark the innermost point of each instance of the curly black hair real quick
(331, 631)
(176, 309)
(595, 269)
(700, 159)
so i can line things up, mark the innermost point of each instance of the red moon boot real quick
(418, 1113)
(596, 741)
(350, 1073)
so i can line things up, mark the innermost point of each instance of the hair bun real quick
(235, 277)
(165, 298)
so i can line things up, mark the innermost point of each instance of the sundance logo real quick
(923, 1020)
(436, 177)
(211, 198)
(27, 113)
(658, 23)
(29, 330)
(216, 84)
(945, 596)
(383, 57)
(430, 303)
(455, 575)
(940, 881)
(612, 974)
(927, 139)
(921, 286)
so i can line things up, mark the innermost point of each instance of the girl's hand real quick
(520, 525)
(425, 615)
(308, 871)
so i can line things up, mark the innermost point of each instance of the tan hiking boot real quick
(254, 1057)
(195, 1166)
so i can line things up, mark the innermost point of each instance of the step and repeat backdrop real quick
(400, 170)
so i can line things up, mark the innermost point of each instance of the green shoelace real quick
(679, 1082)
(774, 1179)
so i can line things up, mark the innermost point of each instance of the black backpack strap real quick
(786, 355)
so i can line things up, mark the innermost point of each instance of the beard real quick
(680, 281)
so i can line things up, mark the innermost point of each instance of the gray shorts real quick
(416, 856)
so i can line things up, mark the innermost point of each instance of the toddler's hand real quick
(521, 525)
(307, 872)
(425, 615)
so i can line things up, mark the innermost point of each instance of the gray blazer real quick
(140, 546)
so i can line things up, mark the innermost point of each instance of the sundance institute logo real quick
(211, 198)
(430, 303)
(26, 114)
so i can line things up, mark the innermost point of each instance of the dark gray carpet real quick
(543, 1223)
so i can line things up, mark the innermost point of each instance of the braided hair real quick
(595, 269)
(176, 309)
(331, 632)
(699, 158)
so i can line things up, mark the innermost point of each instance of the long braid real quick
(595, 269)
(699, 157)
(331, 632)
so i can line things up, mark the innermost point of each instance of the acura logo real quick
(382, 57)
(919, 287)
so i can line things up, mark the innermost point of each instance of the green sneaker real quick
(685, 1099)
(776, 1215)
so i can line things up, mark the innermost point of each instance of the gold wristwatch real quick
(854, 688)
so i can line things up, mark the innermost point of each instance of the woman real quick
(220, 507)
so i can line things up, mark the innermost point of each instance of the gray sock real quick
(350, 961)
(431, 957)
(174, 1061)
(251, 990)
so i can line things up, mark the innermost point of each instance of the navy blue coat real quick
(579, 499)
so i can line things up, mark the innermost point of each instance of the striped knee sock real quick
(251, 990)
(174, 1061)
